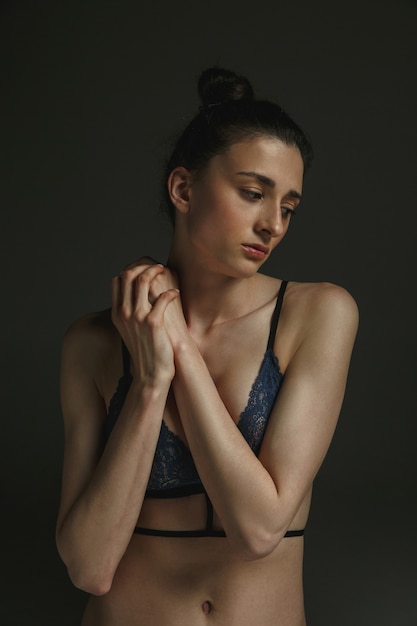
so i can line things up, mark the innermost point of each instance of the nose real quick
(271, 221)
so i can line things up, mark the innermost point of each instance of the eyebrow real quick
(269, 182)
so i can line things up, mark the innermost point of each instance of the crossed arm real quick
(255, 498)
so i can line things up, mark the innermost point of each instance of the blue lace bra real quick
(173, 472)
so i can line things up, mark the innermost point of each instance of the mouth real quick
(256, 250)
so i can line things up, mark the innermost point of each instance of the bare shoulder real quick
(321, 315)
(311, 298)
(313, 302)
(93, 331)
(90, 342)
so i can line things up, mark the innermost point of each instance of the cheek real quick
(206, 213)
(203, 227)
(215, 212)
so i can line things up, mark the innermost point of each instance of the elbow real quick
(263, 546)
(257, 544)
(94, 584)
(95, 580)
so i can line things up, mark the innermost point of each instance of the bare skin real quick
(194, 357)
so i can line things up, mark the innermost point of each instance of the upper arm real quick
(83, 410)
(305, 415)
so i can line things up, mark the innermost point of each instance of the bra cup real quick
(173, 466)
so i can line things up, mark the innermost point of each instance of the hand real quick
(163, 281)
(141, 323)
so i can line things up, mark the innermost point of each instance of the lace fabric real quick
(254, 418)
(173, 466)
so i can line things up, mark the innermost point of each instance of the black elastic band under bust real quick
(140, 530)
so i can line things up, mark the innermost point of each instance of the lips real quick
(257, 246)
(256, 249)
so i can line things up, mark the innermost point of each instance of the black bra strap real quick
(294, 533)
(126, 360)
(271, 338)
(276, 313)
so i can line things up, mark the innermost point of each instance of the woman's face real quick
(240, 206)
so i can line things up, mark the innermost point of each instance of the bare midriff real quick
(172, 581)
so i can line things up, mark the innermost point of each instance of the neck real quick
(208, 298)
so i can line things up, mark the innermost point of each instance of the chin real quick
(247, 271)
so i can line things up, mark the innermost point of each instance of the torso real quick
(168, 581)
(172, 582)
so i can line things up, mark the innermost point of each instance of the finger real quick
(142, 288)
(132, 272)
(168, 280)
(142, 261)
(161, 303)
(129, 289)
(125, 286)
(115, 293)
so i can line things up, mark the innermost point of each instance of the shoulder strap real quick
(126, 359)
(276, 313)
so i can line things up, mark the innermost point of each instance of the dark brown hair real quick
(230, 113)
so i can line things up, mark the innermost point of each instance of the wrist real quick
(151, 385)
(185, 350)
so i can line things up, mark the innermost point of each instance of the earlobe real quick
(179, 188)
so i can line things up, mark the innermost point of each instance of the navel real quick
(207, 607)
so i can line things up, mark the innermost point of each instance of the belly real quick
(165, 581)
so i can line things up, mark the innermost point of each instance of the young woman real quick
(200, 408)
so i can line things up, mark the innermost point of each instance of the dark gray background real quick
(91, 93)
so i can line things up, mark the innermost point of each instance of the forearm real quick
(96, 531)
(242, 491)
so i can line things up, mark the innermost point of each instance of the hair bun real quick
(217, 85)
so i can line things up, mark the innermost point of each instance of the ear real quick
(179, 188)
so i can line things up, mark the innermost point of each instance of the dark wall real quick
(92, 93)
